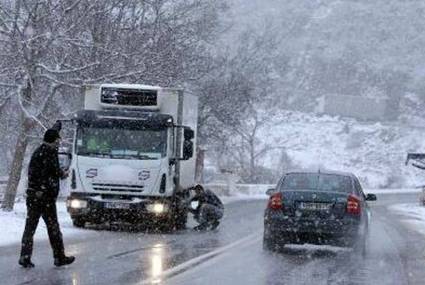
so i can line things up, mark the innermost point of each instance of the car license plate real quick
(314, 206)
(115, 205)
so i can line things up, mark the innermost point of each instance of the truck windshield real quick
(314, 181)
(121, 143)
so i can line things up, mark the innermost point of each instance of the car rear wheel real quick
(360, 246)
(271, 244)
(267, 244)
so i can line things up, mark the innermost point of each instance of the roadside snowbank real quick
(242, 197)
(392, 191)
(13, 224)
(247, 191)
(414, 215)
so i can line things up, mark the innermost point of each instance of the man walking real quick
(43, 189)
(209, 210)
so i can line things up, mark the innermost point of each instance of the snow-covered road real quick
(395, 256)
(231, 255)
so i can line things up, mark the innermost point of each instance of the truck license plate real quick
(115, 205)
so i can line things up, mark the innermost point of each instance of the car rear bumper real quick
(281, 227)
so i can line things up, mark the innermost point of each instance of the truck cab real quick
(132, 156)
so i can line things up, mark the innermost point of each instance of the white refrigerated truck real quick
(132, 155)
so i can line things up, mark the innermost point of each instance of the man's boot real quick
(215, 224)
(201, 227)
(25, 262)
(65, 260)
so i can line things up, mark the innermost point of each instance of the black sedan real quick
(319, 208)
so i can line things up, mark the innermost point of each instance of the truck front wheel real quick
(180, 221)
(78, 222)
(175, 221)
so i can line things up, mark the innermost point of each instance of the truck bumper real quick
(95, 209)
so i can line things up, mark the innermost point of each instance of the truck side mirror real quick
(187, 149)
(188, 134)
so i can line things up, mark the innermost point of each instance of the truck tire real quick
(175, 221)
(180, 221)
(78, 222)
(166, 225)
(179, 215)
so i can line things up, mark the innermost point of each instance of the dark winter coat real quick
(207, 197)
(44, 173)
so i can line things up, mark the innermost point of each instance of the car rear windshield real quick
(315, 181)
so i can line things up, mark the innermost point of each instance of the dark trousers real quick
(46, 209)
(208, 214)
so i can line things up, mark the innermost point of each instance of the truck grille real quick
(117, 187)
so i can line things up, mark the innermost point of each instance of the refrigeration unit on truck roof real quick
(123, 96)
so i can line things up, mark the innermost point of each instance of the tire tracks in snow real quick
(191, 264)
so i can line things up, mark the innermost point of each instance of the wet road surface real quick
(231, 255)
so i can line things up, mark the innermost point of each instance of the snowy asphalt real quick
(231, 255)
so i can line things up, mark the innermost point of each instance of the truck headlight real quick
(76, 204)
(157, 208)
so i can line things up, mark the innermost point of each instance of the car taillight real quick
(353, 205)
(276, 202)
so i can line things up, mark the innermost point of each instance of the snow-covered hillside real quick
(375, 152)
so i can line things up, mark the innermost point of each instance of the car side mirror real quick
(371, 197)
(270, 191)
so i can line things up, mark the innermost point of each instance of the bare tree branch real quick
(25, 111)
(77, 69)
(3, 84)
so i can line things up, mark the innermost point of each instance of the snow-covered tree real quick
(49, 49)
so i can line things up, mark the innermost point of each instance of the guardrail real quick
(224, 189)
